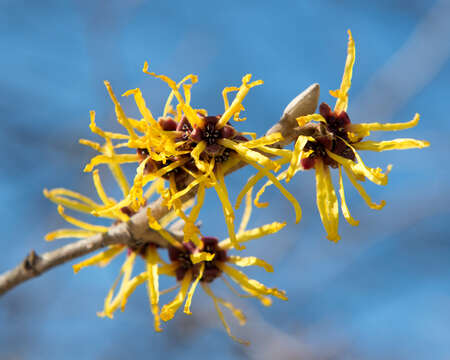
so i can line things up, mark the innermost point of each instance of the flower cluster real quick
(187, 263)
(330, 140)
(186, 151)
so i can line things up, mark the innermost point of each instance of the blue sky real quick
(381, 292)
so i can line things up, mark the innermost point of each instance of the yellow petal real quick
(153, 224)
(92, 144)
(344, 207)
(177, 204)
(296, 157)
(237, 313)
(131, 286)
(190, 230)
(163, 171)
(105, 159)
(126, 270)
(167, 269)
(266, 301)
(121, 117)
(69, 233)
(81, 224)
(104, 134)
(100, 259)
(171, 216)
(251, 134)
(254, 233)
(119, 176)
(221, 317)
(342, 93)
(247, 187)
(265, 140)
(358, 167)
(303, 120)
(362, 192)
(249, 155)
(236, 105)
(257, 177)
(247, 212)
(199, 148)
(397, 144)
(225, 91)
(367, 127)
(249, 261)
(152, 259)
(261, 191)
(187, 305)
(84, 204)
(228, 211)
(191, 77)
(287, 194)
(187, 93)
(201, 256)
(100, 190)
(109, 297)
(153, 188)
(188, 111)
(143, 109)
(200, 179)
(326, 201)
(284, 153)
(241, 279)
(168, 311)
(332, 206)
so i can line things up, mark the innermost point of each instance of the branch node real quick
(30, 262)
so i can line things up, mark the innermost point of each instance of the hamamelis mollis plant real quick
(185, 152)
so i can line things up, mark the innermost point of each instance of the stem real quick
(136, 230)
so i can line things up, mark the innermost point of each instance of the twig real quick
(136, 230)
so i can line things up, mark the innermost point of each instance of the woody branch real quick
(136, 230)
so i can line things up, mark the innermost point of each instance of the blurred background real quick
(382, 292)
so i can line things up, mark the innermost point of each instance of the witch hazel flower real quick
(186, 142)
(330, 140)
(192, 265)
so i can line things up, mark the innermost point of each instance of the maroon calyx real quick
(337, 123)
(307, 163)
(332, 136)
(209, 132)
(184, 127)
(142, 154)
(188, 137)
(181, 257)
(127, 211)
(211, 272)
(167, 123)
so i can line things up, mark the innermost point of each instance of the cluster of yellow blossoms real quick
(187, 151)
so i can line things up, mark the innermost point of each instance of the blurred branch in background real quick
(413, 66)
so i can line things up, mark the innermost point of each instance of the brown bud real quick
(209, 240)
(325, 110)
(196, 135)
(167, 124)
(227, 132)
(307, 163)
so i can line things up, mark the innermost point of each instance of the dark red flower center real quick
(181, 257)
(331, 136)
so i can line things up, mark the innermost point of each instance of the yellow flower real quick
(191, 265)
(187, 142)
(78, 202)
(329, 139)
